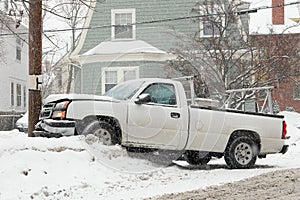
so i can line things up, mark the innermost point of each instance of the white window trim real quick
(117, 11)
(19, 47)
(23, 95)
(19, 101)
(12, 94)
(202, 12)
(120, 71)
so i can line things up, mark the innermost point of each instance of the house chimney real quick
(278, 12)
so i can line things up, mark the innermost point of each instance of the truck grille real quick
(47, 110)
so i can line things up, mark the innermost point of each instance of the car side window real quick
(161, 93)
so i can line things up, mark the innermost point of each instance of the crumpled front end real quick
(54, 128)
(53, 121)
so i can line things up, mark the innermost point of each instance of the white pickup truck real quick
(155, 114)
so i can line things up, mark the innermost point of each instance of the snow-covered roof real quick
(123, 46)
(261, 21)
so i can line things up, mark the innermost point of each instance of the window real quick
(12, 94)
(18, 49)
(24, 97)
(111, 79)
(129, 75)
(296, 92)
(161, 93)
(211, 24)
(123, 23)
(19, 95)
(114, 75)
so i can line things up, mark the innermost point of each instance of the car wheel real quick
(103, 131)
(197, 157)
(241, 153)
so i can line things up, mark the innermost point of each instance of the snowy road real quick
(279, 185)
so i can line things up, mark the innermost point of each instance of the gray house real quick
(125, 40)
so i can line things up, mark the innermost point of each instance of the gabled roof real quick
(123, 47)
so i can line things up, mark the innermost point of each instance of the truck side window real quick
(161, 93)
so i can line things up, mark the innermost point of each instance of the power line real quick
(254, 10)
(241, 12)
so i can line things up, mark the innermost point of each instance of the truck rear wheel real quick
(198, 157)
(103, 130)
(241, 153)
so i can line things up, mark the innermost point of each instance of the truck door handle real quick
(175, 115)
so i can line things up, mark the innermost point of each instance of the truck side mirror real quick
(142, 99)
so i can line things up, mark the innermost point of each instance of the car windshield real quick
(124, 90)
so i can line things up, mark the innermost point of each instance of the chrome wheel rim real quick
(243, 153)
(104, 136)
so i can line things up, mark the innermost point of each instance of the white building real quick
(13, 63)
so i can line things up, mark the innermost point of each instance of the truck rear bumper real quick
(284, 149)
(54, 128)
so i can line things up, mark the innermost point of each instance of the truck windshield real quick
(124, 90)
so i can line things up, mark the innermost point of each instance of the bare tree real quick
(230, 58)
(277, 58)
(72, 13)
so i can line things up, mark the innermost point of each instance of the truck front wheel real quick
(197, 157)
(241, 153)
(103, 130)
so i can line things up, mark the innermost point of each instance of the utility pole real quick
(35, 64)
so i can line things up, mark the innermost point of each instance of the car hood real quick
(56, 97)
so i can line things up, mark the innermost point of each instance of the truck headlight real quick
(59, 114)
(62, 105)
(60, 110)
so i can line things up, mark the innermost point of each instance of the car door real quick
(159, 122)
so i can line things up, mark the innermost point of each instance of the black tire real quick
(197, 157)
(241, 153)
(104, 131)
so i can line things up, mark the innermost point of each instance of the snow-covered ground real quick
(76, 168)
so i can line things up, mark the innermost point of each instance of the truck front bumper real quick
(54, 128)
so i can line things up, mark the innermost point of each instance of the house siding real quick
(162, 35)
(156, 34)
(92, 74)
(13, 71)
(283, 95)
